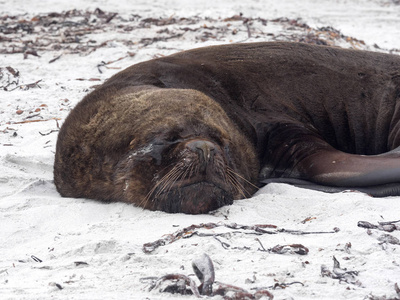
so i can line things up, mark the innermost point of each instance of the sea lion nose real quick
(205, 150)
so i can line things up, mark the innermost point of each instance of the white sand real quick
(37, 223)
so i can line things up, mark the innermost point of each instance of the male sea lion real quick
(195, 130)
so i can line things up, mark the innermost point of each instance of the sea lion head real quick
(185, 154)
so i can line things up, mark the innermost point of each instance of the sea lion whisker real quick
(167, 187)
(173, 164)
(191, 172)
(171, 180)
(235, 176)
(161, 182)
(168, 182)
(180, 177)
(165, 178)
(234, 182)
(188, 171)
(241, 177)
(238, 185)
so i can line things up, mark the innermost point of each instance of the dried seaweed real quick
(384, 226)
(339, 273)
(74, 31)
(203, 268)
(236, 228)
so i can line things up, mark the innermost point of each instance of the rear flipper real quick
(300, 157)
(384, 190)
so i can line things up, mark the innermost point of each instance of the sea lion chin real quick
(193, 131)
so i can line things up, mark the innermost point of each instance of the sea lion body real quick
(288, 111)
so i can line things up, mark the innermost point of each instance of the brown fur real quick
(108, 157)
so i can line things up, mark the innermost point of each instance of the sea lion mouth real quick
(200, 185)
(189, 183)
(193, 198)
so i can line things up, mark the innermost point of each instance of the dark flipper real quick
(384, 190)
(300, 157)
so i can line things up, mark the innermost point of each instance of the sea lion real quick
(193, 131)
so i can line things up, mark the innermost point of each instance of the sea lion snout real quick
(202, 160)
(205, 150)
